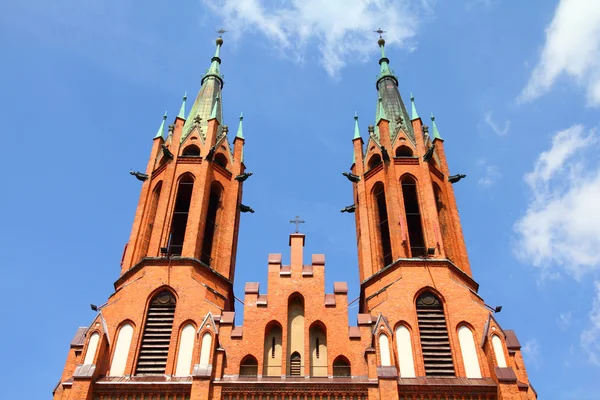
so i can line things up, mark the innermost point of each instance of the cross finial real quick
(380, 31)
(297, 221)
(221, 32)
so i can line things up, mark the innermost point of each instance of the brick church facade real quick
(168, 331)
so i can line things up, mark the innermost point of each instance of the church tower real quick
(178, 266)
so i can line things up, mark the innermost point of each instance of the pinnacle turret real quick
(414, 115)
(161, 128)
(239, 131)
(182, 109)
(436, 133)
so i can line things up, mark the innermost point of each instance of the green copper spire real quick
(414, 108)
(384, 63)
(161, 129)
(215, 62)
(182, 109)
(381, 112)
(356, 131)
(436, 133)
(213, 114)
(239, 132)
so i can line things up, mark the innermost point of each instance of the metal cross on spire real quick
(221, 32)
(380, 31)
(297, 221)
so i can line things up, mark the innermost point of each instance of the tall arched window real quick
(221, 159)
(413, 216)
(383, 226)
(90, 354)
(499, 351)
(341, 367)
(150, 220)
(205, 349)
(180, 214)
(249, 366)
(272, 350)
(374, 161)
(405, 352)
(435, 342)
(295, 342)
(214, 203)
(157, 335)
(384, 350)
(442, 212)
(318, 349)
(469, 352)
(119, 360)
(186, 349)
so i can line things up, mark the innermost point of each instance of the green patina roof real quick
(239, 131)
(214, 114)
(415, 115)
(436, 133)
(356, 130)
(381, 112)
(384, 63)
(182, 109)
(161, 129)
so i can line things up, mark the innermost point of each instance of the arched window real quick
(191, 151)
(469, 352)
(405, 352)
(119, 360)
(374, 161)
(90, 354)
(214, 203)
(150, 220)
(435, 342)
(249, 366)
(443, 219)
(205, 349)
(318, 349)
(499, 351)
(180, 214)
(295, 343)
(383, 226)
(157, 335)
(295, 364)
(413, 216)
(272, 349)
(341, 367)
(186, 349)
(384, 350)
(221, 159)
(404, 151)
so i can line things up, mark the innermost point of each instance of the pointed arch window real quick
(405, 352)
(156, 338)
(150, 219)
(205, 349)
(186, 348)
(374, 161)
(384, 350)
(318, 350)
(180, 214)
(119, 360)
(191, 151)
(249, 366)
(272, 349)
(413, 216)
(435, 342)
(443, 218)
(90, 354)
(295, 332)
(341, 367)
(383, 226)
(469, 352)
(210, 227)
(295, 364)
(498, 351)
(221, 159)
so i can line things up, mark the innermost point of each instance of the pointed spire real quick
(436, 133)
(182, 109)
(384, 63)
(415, 115)
(213, 114)
(356, 130)
(381, 111)
(215, 62)
(161, 129)
(239, 131)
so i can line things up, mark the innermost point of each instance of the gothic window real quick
(318, 349)
(150, 219)
(443, 218)
(249, 366)
(119, 360)
(435, 342)
(180, 214)
(272, 349)
(382, 222)
(295, 364)
(186, 349)
(191, 151)
(214, 203)
(413, 216)
(469, 352)
(221, 159)
(341, 366)
(205, 349)
(384, 350)
(404, 151)
(90, 354)
(295, 329)
(374, 161)
(154, 350)
(405, 352)
(499, 351)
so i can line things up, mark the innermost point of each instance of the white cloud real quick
(590, 338)
(497, 130)
(490, 174)
(341, 29)
(572, 48)
(560, 230)
(531, 352)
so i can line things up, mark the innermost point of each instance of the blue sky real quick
(515, 89)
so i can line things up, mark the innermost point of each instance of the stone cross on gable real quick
(297, 221)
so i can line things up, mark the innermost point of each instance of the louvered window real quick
(435, 342)
(157, 335)
(295, 364)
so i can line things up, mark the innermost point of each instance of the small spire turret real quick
(182, 109)
(239, 131)
(436, 133)
(414, 115)
(161, 128)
